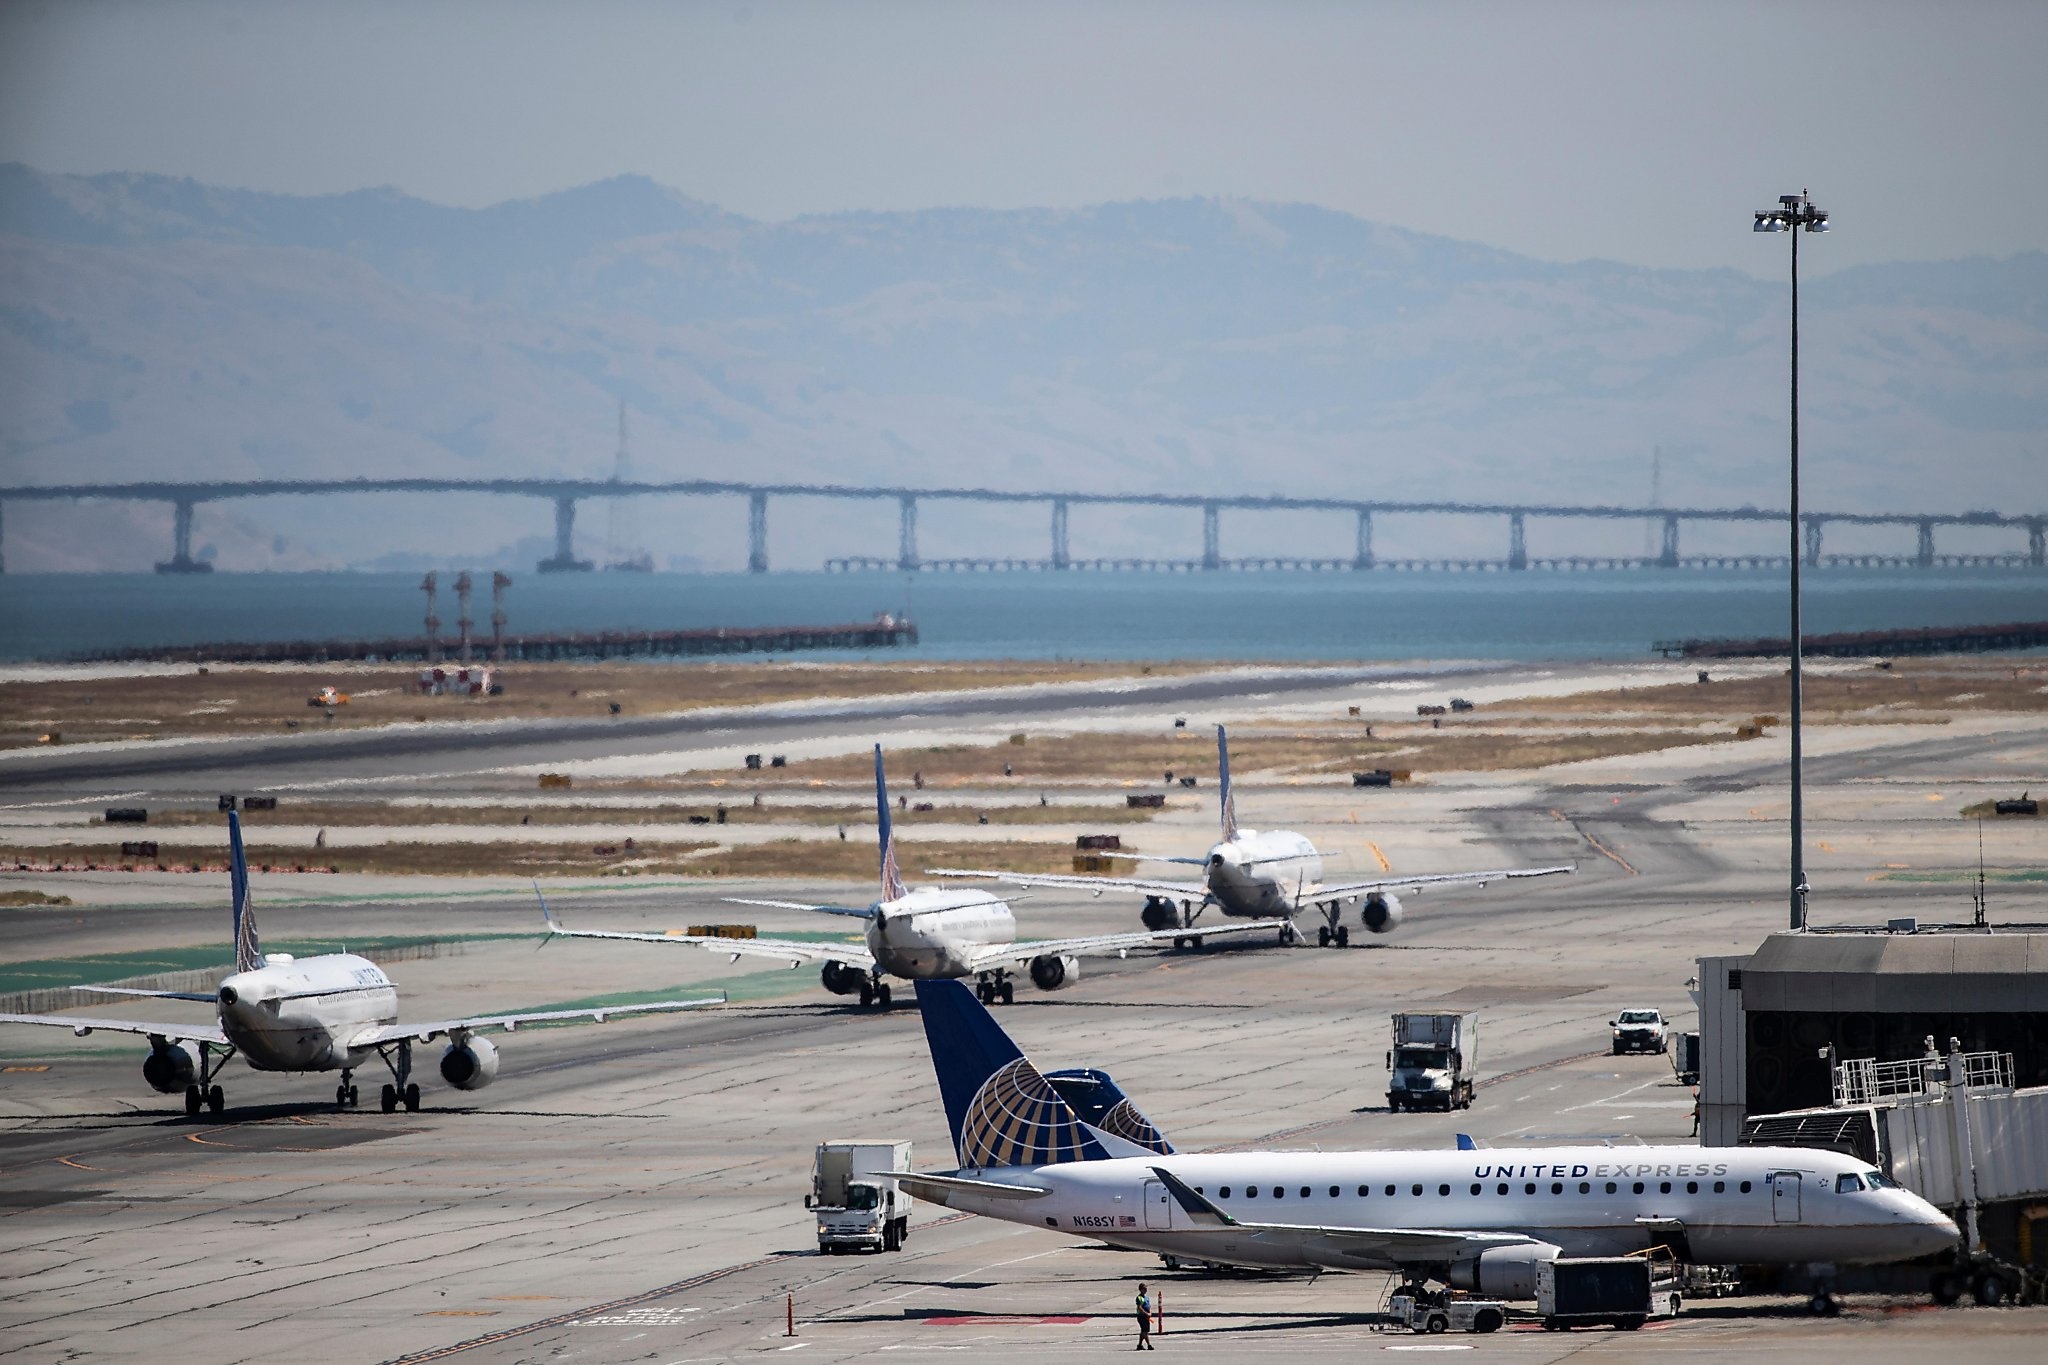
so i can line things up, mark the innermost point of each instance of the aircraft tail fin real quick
(1103, 1105)
(1223, 778)
(1001, 1110)
(892, 879)
(248, 952)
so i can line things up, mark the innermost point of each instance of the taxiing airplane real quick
(927, 934)
(1473, 1219)
(1257, 873)
(333, 1012)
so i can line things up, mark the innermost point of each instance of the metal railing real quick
(1865, 1080)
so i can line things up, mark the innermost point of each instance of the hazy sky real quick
(1639, 132)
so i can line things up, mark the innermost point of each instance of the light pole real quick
(1795, 214)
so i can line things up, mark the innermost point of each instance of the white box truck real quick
(1433, 1061)
(855, 1198)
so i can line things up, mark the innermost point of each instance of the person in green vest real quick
(1144, 1306)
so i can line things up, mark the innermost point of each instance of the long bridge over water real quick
(567, 494)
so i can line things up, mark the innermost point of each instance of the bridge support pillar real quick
(1813, 542)
(1518, 543)
(1923, 554)
(906, 534)
(1667, 557)
(181, 560)
(757, 532)
(1361, 558)
(2037, 543)
(1060, 558)
(564, 559)
(1212, 555)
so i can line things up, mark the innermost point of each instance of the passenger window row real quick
(1528, 1187)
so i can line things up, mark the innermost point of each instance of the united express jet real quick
(1480, 1220)
(334, 1012)
(925, 934)
(1257, 874)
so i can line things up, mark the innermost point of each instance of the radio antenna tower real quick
(622, 548)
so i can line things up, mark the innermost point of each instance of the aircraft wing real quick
(506, 1023)
(1110, 945)
(855, 912)
(1076, 882)
(1341, 1246)
(795, 952)
(177, 1033)
(1329, 890)
(206, 996)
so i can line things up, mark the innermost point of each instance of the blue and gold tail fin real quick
(1229, 802)
(248, 952)
(892, 880)
(1103, 1106)
(1001, 1111)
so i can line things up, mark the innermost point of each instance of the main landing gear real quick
(995, 988)
(1330, 931)
(874, 991)
(203, 1092)
(402, 1089)
(1163, 912)
(345, 1093)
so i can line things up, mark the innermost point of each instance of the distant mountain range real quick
(155, 327)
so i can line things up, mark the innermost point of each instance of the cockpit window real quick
(1848, 1184)
(1877, 1180)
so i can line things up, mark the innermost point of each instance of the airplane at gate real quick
(926, 934)
(1257, 873)
(1474, 1219)
(333, 1012)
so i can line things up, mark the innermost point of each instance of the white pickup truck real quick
(1639, 1031)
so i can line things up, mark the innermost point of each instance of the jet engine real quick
(841, 979)
(471, 1065)
(1159, 913)
(1055, 973)
(1381, 912)
(1503, 1272)
(170, 1067)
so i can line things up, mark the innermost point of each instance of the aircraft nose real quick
(1928, 1230)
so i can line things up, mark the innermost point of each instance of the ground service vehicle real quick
(1617, 1291)
(1685, 1057)
(1433, 1061)
(1639, 1031)
(854, 1195)
(1421, 1310)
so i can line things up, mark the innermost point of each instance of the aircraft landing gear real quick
(1823, 1304)
(874, 991)
(995, 988)
(1330, 931)
(345, 1093)
(204, 1091)
(403, 1089)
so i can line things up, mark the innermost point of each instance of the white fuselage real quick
(300, 1015)
(1258, 874)
(1747, 1206)
(934, 932)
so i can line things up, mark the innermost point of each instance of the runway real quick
(634, 1191)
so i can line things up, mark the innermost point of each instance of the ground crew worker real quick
(1144, 1306)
